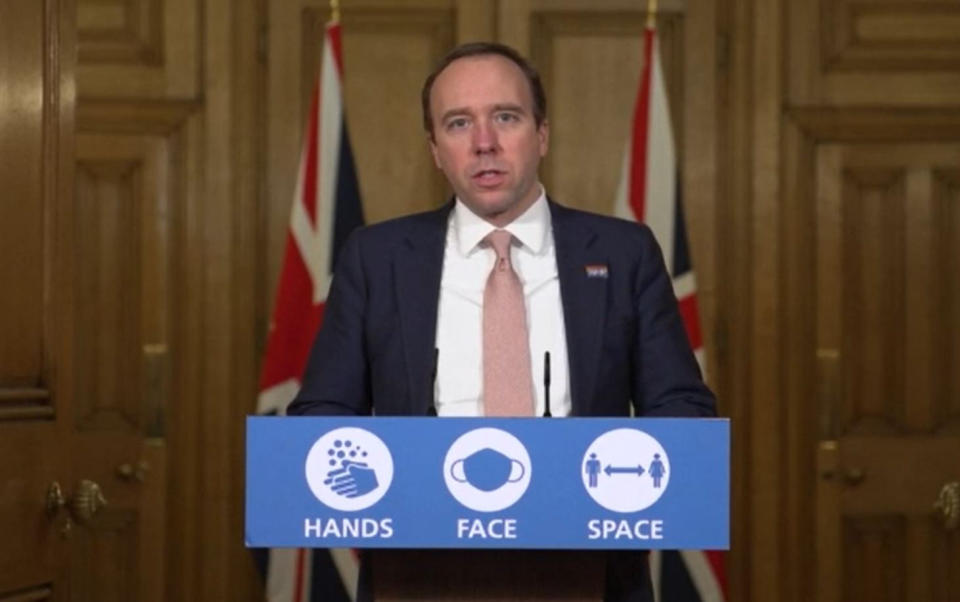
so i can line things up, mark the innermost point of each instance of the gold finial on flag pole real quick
(335, 11)
(651, 14)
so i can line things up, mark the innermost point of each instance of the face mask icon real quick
(487, 470)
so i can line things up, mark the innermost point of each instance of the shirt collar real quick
(530, 228)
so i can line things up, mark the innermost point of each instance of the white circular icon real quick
(625, 470)
(487, 469)
(349, 469)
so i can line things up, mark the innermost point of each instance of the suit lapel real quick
(584, 299)
(417, 270)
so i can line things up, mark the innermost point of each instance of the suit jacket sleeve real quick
(666, 376)
(336, 378)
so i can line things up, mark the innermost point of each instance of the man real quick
(403, 332)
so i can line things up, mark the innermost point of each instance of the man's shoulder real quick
(613, 230)
(397, 229)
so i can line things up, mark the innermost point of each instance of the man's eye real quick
(506, 117)
(456, 124)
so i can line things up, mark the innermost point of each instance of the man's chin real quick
(490, 210)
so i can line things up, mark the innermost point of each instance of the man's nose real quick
(485, 138)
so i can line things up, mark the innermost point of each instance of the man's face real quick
(485, 138)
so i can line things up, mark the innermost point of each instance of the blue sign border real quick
(554, 513)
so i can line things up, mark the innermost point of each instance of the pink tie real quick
(507, 381)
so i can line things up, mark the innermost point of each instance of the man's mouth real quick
(488, 177)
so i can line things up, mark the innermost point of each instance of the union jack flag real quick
(326, 208)
(649, 192)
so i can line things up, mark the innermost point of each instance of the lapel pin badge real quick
(596, 270)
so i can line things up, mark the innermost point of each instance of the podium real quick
(488, 508)
(481, 575)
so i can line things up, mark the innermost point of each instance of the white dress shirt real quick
(466, 265)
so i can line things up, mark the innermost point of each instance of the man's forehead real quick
(485, 75)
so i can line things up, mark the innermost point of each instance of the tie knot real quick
(500, 241)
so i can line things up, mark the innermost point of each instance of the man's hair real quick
(486, 49)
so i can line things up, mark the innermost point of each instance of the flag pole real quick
(335, 11)
(651, 14)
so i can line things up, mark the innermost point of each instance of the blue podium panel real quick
(564, 483)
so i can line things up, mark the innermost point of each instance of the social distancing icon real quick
(625, 470)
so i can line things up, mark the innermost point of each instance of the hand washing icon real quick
(349, 469)
(487, 470)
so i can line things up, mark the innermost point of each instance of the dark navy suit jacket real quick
(626, 342)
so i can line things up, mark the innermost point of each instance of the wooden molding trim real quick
(139, 39)
(546, 24)
(890, 36)
(24, 403)
(437, 25)
(41, 592)
(877, 124)
(133, 116)
(548, 27)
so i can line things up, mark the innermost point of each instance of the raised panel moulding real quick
(387, 51)
(590, 63)
(30, 594)
(874, 557)
(129, 31)
(946, 396)
(109, 199)
(889, 36)
(133, 116)
(104, 557)
(867, 124)
(19, 403)
(873, 302)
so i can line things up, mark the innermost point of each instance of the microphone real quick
(432, 409)
(546, 385)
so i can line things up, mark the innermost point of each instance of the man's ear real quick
(432, 143)
(543, 132)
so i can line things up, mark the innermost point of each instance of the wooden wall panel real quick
(874, 279)
(23, 237)
(139, 48)
(109, 197)
(224, 154)
(36, 146)
(128, 214)
(751, 243)
(879, 231)
(874, 559)
(873, 52)
(125, 220)
(887, 220)
(889, 36)
(104, 563)
(170, 112)
(591, 62)
(120, 31)
(837, 240)
(387, 53)
(945, 401)
(389, 47)
(32, 594)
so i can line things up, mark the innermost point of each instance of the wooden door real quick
(888, 345)
(843, 155)
(36, 111)
(124, 219)
(82, 337)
